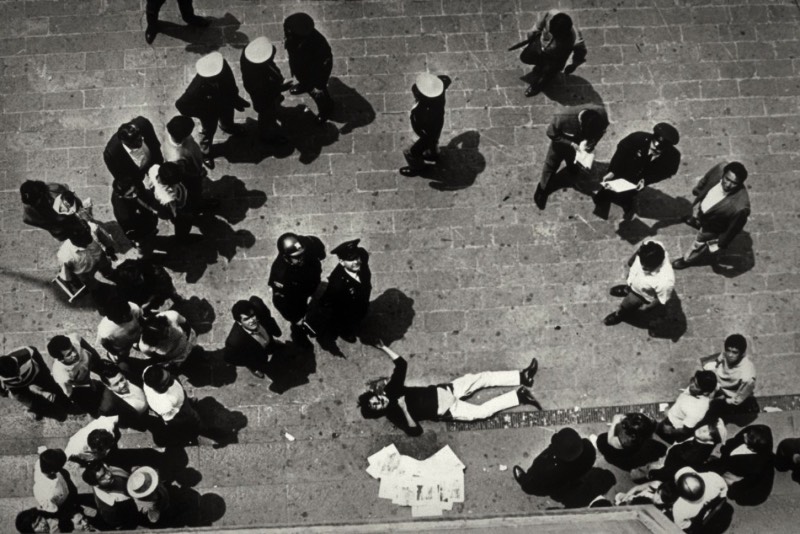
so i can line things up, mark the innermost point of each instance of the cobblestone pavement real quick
(468, 274)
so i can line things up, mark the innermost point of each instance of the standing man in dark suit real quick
(346, 299)
(573, 131)
(294, 276)
(263, 81)
(641, 159)
(720, 210)
(186, 8)
(310, 61)
(427, 120)
(129, 155)
(251, 342)
(211, 97)
(564, 461)
(38, 200)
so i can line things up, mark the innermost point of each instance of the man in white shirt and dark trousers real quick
(689, 409)
(123, 398)
(54, 491)
(166, 397)
(720, 210)
(74, 361)
(649, 286)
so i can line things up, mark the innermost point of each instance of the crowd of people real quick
(146, 344)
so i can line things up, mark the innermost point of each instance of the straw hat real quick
(142, 482)
(259, 50)
(429, 85)
(209, 65)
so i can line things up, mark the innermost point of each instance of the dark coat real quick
(632, 162)
(688, 453)
(427, 115)
(45, 217)
(548, 473)
(749, 466)
(728, 217)
(207, 98)
(345, 297)
(565, 128)
(310, 59)
(125, 172)
(263, 82)
(290, 281)
(242, 349)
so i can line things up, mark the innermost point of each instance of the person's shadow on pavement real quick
(460, 163)
(222, 31)
(669, 323)
(570, 90)
(305, 134)
(220, 424)
(234, 198)
(351, 108)
(597, 481)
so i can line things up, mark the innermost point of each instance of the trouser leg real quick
(552, 161)
(699, 246)
(468, 384)
(630, 304)
(208, 127)
(465, 411)
(152, 8)
(324, 102)
(414, 154)
(186, 8)
(293, 309)
(226, 119)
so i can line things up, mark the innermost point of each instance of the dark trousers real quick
(322, 98)
(292, 308)
(604, 198)
(208, 127)
(425, 148)
(136, 221)
(545, 67)
(556, 154)
(153, 7)
(268, 126)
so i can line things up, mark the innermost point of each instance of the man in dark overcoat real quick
(427, 120)
(310, 61)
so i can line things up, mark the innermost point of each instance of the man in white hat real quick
(263, 81)
(310, 61)
(186, 8)
(427, 120)
(150, 495)
(211, 97)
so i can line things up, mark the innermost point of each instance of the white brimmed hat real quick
(142, 482)
(429, 85)
(209, 65)
(259, 50)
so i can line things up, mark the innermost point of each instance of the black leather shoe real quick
(256, 372)
(409, 171)
(619, 291)
(612, 319)
(519, 474)
(525, 396)
(234, 129)
(691, 221)
(150, 34)
(197, 21)
(208, 161)
(532, 90)
(680, 263)
(540, 198)
(527, 374)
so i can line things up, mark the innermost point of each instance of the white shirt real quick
(134, 397)
(166, 404)
(688, 410)
(78, 443)
(49, 493)
(684, 511)
(176, 347)
(713, 197)
(652, 285)
(76, 374)
(120, 337)
(140, 156)
(80, 260)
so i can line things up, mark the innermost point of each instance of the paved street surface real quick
(468, 274)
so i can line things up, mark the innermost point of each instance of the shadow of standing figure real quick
(234, 197)
(570, 90)
(352, 109)
(220, 424)
(222, 31)
(291, 365)
(459, 164)
(391, 314)
(668, 322)
(304, 133)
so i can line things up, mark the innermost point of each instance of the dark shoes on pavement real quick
(519, 474)
(150, 33)
(540, 197)
(612, 319)
(525, 396)
(527, 374)
(208, 161)
(691, 221)
(620, 291)
(533, 89)
(409, 171)
(256, 372)
(680, 263)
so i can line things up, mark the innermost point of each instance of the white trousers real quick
(469, 384)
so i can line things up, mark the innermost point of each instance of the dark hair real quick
(593, 124)
(107, 370)
(52, 460)
(90, 473)
(26, 519)
(736, 168)
(57, 345)
(79, 233)
(70, 197)
(180, 127)
(153, 328)
(100, 439)
(157, 378)
(759, 438)
(367, 411)
(736, 341)
(713, 429)
(32, 191)
(169, 173)
(651, 255)
(560, 25)
(668, 492)
(9, 367)
(117, 309)
(128, 132)
(638, 427)
(706, 381)
(129, 271)
(242, 307)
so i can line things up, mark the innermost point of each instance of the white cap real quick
(429, 85)
(209, 65)
(259, 50)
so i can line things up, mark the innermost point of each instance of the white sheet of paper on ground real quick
(384, 461)
(619, 185)
(584, 159)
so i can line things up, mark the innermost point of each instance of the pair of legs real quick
(557, 153)
(466, 385)
(425, 149)
(186, 7)
(603, 199)
(697, 251)
(269, 129)
(630, 306)
(208, 128)
(544, 68)
(138, 223)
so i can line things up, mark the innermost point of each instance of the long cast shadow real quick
(460, 163)
(222, 31)
(669, 323)
(351, 108)
(570, 90)
(597, 481)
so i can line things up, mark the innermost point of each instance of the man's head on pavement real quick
(734, 349)
(130, 135)
(372, 404)
(712, 432)
(703, 383)
(733, 176)
(651, 256)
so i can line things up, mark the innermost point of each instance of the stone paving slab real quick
(468, 274)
